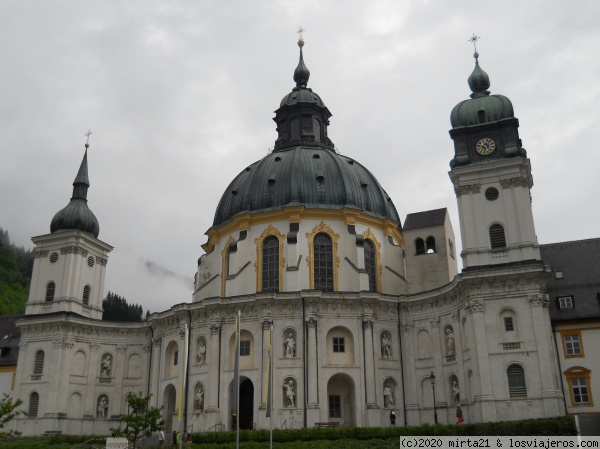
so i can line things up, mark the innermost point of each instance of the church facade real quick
(368, 316)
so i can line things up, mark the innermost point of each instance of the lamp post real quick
(432, 379)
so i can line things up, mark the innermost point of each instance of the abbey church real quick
(368, 314)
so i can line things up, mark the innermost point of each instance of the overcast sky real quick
(179, 96)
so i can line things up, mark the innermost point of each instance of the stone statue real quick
(102, 407)
(290, 347)
(290, 394)
(450, 347)
(455, 392)
(106, 366)
(388, 396)
(386, 350)
(199, 400)
(201, 354)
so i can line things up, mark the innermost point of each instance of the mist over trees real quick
(16, 266)
(116, 308)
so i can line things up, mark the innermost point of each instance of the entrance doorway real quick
(340, 395)
(169, 400)
(246, 415)
(246, 404)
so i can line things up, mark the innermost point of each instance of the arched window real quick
(481, 116)
(371, 264)
(317, 129)
(430, 245)
(86, 295)
(38, 366)
(420, 246)
(50, 291)
(270, 264)
(323, 262)
(34, 402)
(516, 381)
(497, 238)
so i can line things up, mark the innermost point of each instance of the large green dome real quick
(304, 168)
(314, 177)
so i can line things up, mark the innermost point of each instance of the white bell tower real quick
(70, 262)
(492, 179)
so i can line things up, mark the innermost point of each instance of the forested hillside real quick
(116, 308)
(16, 264)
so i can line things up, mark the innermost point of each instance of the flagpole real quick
(237, 383)
(270, 398)
(183, 382)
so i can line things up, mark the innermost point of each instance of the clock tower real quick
(492, 179)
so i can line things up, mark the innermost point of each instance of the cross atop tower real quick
(88, 134)
(474, 39)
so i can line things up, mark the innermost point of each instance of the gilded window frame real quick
(269, 231)
(563, 334)
(224, 265)
(322, 227)
(577, 372)
(368, 235)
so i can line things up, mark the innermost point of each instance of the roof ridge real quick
(596, 239)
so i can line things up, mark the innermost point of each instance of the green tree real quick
(8, 410)
(141, 419)
(116, 308)
(16, 265)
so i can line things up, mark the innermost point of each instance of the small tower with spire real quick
(492, 178)
(70, 262)
(302, 117)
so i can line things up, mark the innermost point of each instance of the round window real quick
(53, 257)
(90, 261)
(491, 194)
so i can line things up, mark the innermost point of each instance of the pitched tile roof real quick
(579, 263)
(425, 219)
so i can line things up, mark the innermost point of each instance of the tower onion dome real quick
(482, 107)
(77, 215)
(304, 168)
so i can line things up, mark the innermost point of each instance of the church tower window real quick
(323, 260)
(497, 238)
(420, 246)
(516, 381)
(50, 291)
(270, 264)
(86, 295)
(430, 244)
(38, 366)
(34, 402)
(370, 264)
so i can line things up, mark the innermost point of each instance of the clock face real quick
(485, 146)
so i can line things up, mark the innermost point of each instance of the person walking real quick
(393, 417)
(189, 440)
(459, 416)
(161, 437)
(174, 438)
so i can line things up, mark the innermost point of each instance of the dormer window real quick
(566, 302)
